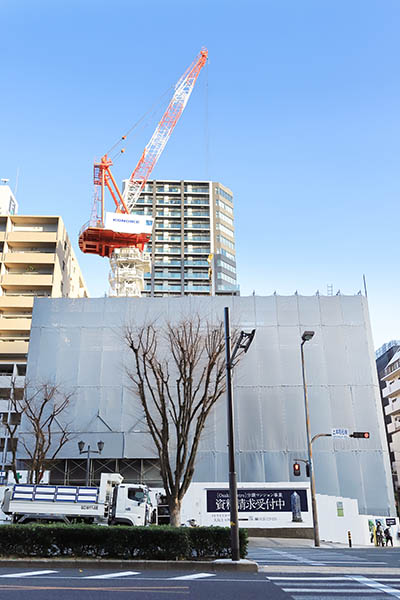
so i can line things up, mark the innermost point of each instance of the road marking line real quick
(158, 589)
(287, 579)
(387, 589)
(358, 591)
(112, 575)
(29, 574)
(194, 576)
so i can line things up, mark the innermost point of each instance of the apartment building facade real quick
(391, 402)
(36, 260)
(193, 244)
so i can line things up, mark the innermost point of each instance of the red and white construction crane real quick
(106, 233)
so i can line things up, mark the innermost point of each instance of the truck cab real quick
(131, 505)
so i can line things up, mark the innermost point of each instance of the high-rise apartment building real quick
(391, 411)
(389, 376)
(193, 243)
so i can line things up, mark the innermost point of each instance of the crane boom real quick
(123, 239)
(160, 137)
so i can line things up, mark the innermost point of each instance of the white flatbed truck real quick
(113, 503)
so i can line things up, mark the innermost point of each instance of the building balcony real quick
(174, 226)
(392, 389)
(393, 427)
(29, 258)
(204, 226)
(197, 289)
(26, 279)
(15, 347)
(197, 201)
(5, 381)
(23, 302)
(197, 251)
(167, 276)
(32, 236)
(393, 408)
(15, 324)
(204, 275)
(392, 371)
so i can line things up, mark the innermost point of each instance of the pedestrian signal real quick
(296, 469)
(360, 434)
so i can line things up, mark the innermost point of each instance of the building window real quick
(227, 266)
(225, 218)
(224, 194)
(225, 206)
(226, 278)
(223, 240)
(224, 229)
(227, 254)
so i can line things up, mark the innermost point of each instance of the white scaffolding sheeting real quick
(80, 341)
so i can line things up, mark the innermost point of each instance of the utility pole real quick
(243, 342)
(308, 335)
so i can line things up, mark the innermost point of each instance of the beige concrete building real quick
(36, 259)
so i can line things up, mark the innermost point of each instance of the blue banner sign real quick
(255, 500)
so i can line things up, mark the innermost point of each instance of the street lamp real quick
(89, 451)
(306, 337)
(243, 343)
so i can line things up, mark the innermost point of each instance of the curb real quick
(241, 565)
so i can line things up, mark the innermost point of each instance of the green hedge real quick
(215, 542)
(141, 543)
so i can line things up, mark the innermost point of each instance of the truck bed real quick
(54, 500)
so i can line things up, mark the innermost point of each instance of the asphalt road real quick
(301, 573)
(90, 584)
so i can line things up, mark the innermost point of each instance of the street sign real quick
(340, 432)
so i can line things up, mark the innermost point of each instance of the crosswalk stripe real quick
(194, 576)
(112, 575)
(28, 574)
(387, 589)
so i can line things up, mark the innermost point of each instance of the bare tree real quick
(38, 422)
(178, 373)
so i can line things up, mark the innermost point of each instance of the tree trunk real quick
(175, 512)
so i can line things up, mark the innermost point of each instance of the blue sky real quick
(297, 112)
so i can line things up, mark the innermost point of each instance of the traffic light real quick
(360, 434)
(296, 469)
(308, 469)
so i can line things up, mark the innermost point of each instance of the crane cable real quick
(151, 110)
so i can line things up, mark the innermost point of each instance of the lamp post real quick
(307, 336)
(243, 342)
(89, 451)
